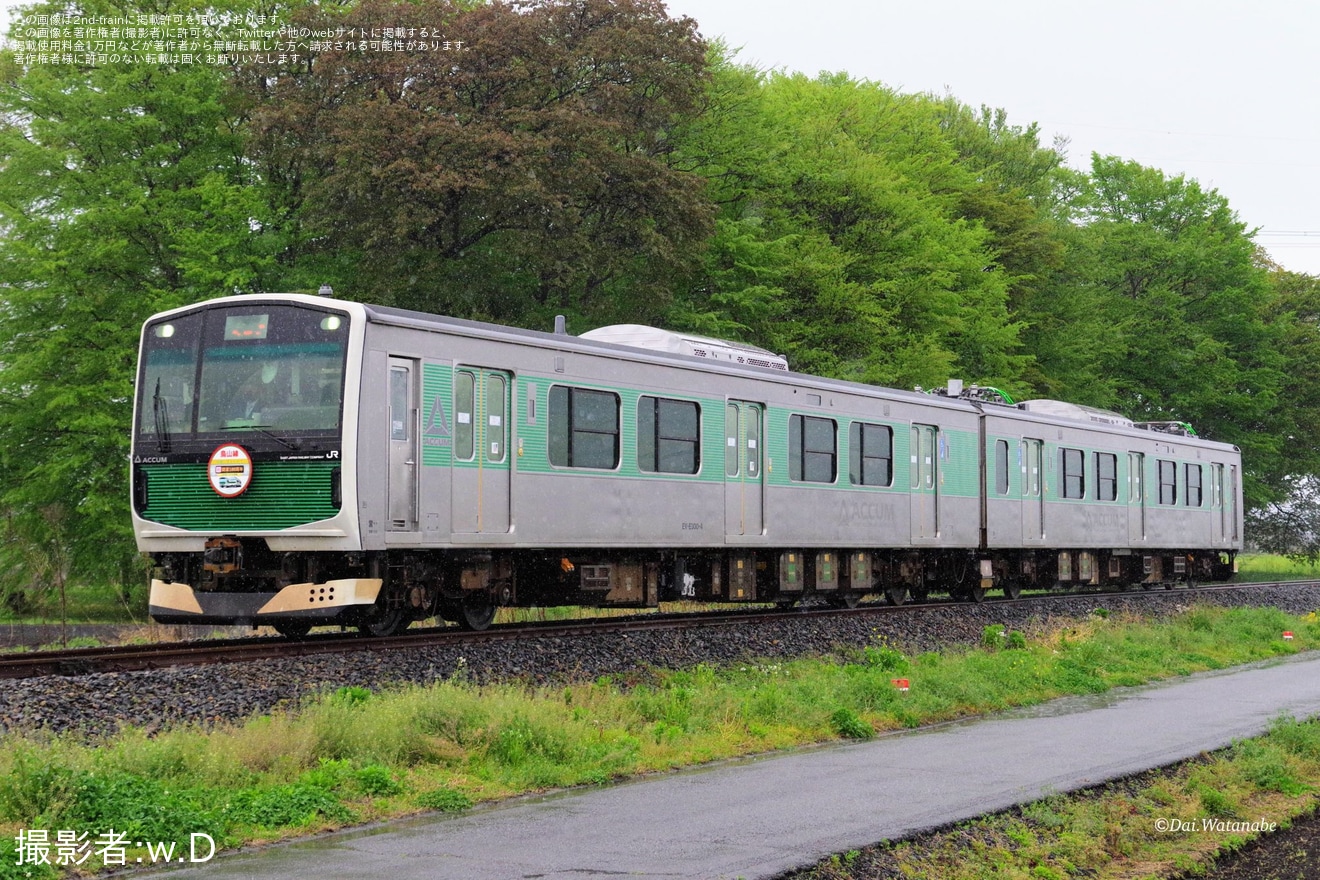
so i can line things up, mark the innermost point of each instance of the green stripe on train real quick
(282, 494)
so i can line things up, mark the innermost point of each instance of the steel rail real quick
(127, 658)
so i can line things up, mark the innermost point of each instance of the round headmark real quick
(230, 470)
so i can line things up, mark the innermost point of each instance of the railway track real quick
(126, 658)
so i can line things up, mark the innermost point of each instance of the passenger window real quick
(1074, 473)
(872, 455)
(812, 449)
(584, 428)
(668, 436)
(1106, 476)
(1193, 485)
(1168, 471)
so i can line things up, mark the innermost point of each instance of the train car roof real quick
(1047, 412)
(589, 345)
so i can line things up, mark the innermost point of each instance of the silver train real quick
(301, 460)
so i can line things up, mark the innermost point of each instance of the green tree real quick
(124, 191)
(1020, 192)
(840, 238)
(1186, 303)
(1290, 522)
(520, 171)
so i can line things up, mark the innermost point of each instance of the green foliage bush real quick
(144, 809)
(1216, 802)
(281, 806)
(886, 659)
(446, 800)
(846, 724)
(1266, 765)
(376, 780)
(1297, 737)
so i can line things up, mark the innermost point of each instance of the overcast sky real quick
(1224, 91)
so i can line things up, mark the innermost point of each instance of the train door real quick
(744, 488)
(1033, 495)
(1231, 504)
(481, 473)
(1136, 497)
(925, 482)
(402, 478)
(1217, 508)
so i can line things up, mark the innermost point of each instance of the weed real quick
(75, 642)
(35, 788)
(1266, 765)
(350, 695)
(14, 868)
(281, 806)
(992, 636)
(1299, 738)
(377, 781)
(446, 800)
(1049, 813)
(846, 724)
(1215, 802)
(885, 659)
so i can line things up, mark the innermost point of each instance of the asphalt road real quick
(761, 817)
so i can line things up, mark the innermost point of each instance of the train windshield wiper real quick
(160, 408)
(287, 444)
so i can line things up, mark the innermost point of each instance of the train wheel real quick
(1012, 590)
(845, 600)
(384, 622)
(293, 629)
(896, 595)
(476, 614)
(974, 594)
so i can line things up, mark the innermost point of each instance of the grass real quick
(355, 755)
(86, 603)
(1158, 824)
(1256, 567)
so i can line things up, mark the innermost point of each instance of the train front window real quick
(169, 373)
(266, 368)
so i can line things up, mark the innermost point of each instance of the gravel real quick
(207, 695)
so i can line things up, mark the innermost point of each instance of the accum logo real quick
(436, 432)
